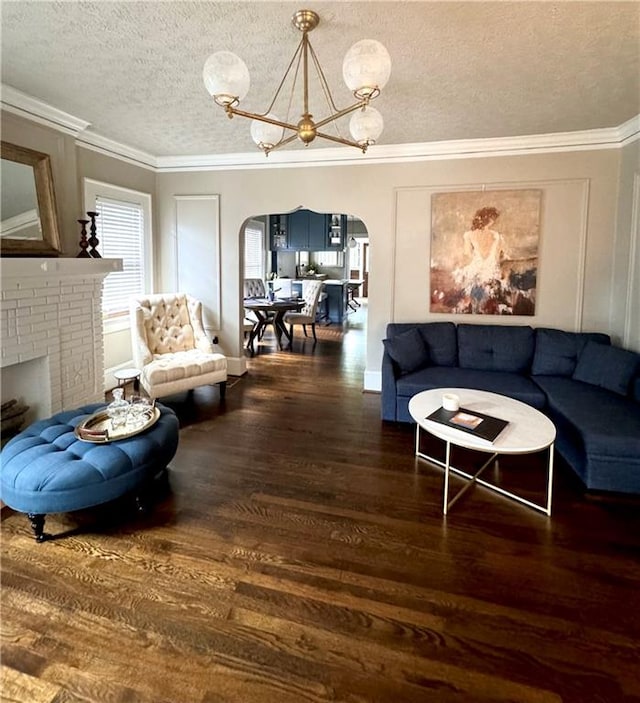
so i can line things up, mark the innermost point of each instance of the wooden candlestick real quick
(93, 239)
(84, 244)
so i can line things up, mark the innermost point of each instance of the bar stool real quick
(323, 308)
(352, 288)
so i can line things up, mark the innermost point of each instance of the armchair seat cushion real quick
(168, 368)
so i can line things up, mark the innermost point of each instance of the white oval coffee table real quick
(528, 431)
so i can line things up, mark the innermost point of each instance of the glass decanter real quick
(118, 409)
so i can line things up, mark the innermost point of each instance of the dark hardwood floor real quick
(301, 555)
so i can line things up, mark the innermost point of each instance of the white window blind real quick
(254, 250)
(120, 229)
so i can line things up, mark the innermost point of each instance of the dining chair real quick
(253, 288)
(311, 291)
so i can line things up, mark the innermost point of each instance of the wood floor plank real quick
(17, 687)
(368, 658)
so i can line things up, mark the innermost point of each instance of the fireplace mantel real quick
(23, 267)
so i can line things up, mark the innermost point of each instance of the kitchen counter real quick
(319, 277)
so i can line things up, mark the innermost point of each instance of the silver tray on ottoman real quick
(97, 428)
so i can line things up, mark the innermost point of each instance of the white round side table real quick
(123, 376)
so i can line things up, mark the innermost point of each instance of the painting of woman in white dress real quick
(484, 252)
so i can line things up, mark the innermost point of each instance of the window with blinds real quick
(120, 229)
(254, 250)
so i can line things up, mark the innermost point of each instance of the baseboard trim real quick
(373, 381)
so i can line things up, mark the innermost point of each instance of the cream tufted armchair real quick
(170, 346)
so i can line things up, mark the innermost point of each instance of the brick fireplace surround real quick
(51, 332)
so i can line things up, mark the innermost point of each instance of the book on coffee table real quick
(478, 424)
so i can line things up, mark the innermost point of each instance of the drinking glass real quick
(139, 410)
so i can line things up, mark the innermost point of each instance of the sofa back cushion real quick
(557, 351)
(408, 350)
(439, 340)
(608, 367)
(495, 347)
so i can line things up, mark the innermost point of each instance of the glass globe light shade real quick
(366, 68)
(353, 242)
(266, 135)
(226, 77)
(366, 126)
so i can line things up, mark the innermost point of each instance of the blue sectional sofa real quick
(589, 388)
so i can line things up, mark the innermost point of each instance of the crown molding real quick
(23, 105)
(117, 150)
(605, 138)
(38, 111)
(629, 131)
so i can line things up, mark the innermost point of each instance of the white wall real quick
(576, 264)
(625, 288)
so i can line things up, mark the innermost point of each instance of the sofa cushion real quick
(408, 350)
(608, 424)
(598, 433)
(511, 384)
(439, 340)
(495, 347)
(608, 367)
(557, 351)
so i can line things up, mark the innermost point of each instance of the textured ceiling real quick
(460, 70)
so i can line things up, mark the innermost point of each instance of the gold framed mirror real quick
(29, 220)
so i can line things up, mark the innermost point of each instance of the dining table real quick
(270, 312)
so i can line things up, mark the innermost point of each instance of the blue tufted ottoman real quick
(47, 469)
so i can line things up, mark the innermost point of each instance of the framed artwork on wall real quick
(484, 251)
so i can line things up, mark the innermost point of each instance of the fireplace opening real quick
(29, 385)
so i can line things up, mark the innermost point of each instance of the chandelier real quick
(365, 69)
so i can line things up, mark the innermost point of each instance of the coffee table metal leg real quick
(549, 481)
(472, 478)
(475, 478)
(445, 503)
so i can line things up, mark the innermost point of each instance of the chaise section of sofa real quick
(593, 397)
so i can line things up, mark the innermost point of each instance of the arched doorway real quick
(287, 249)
